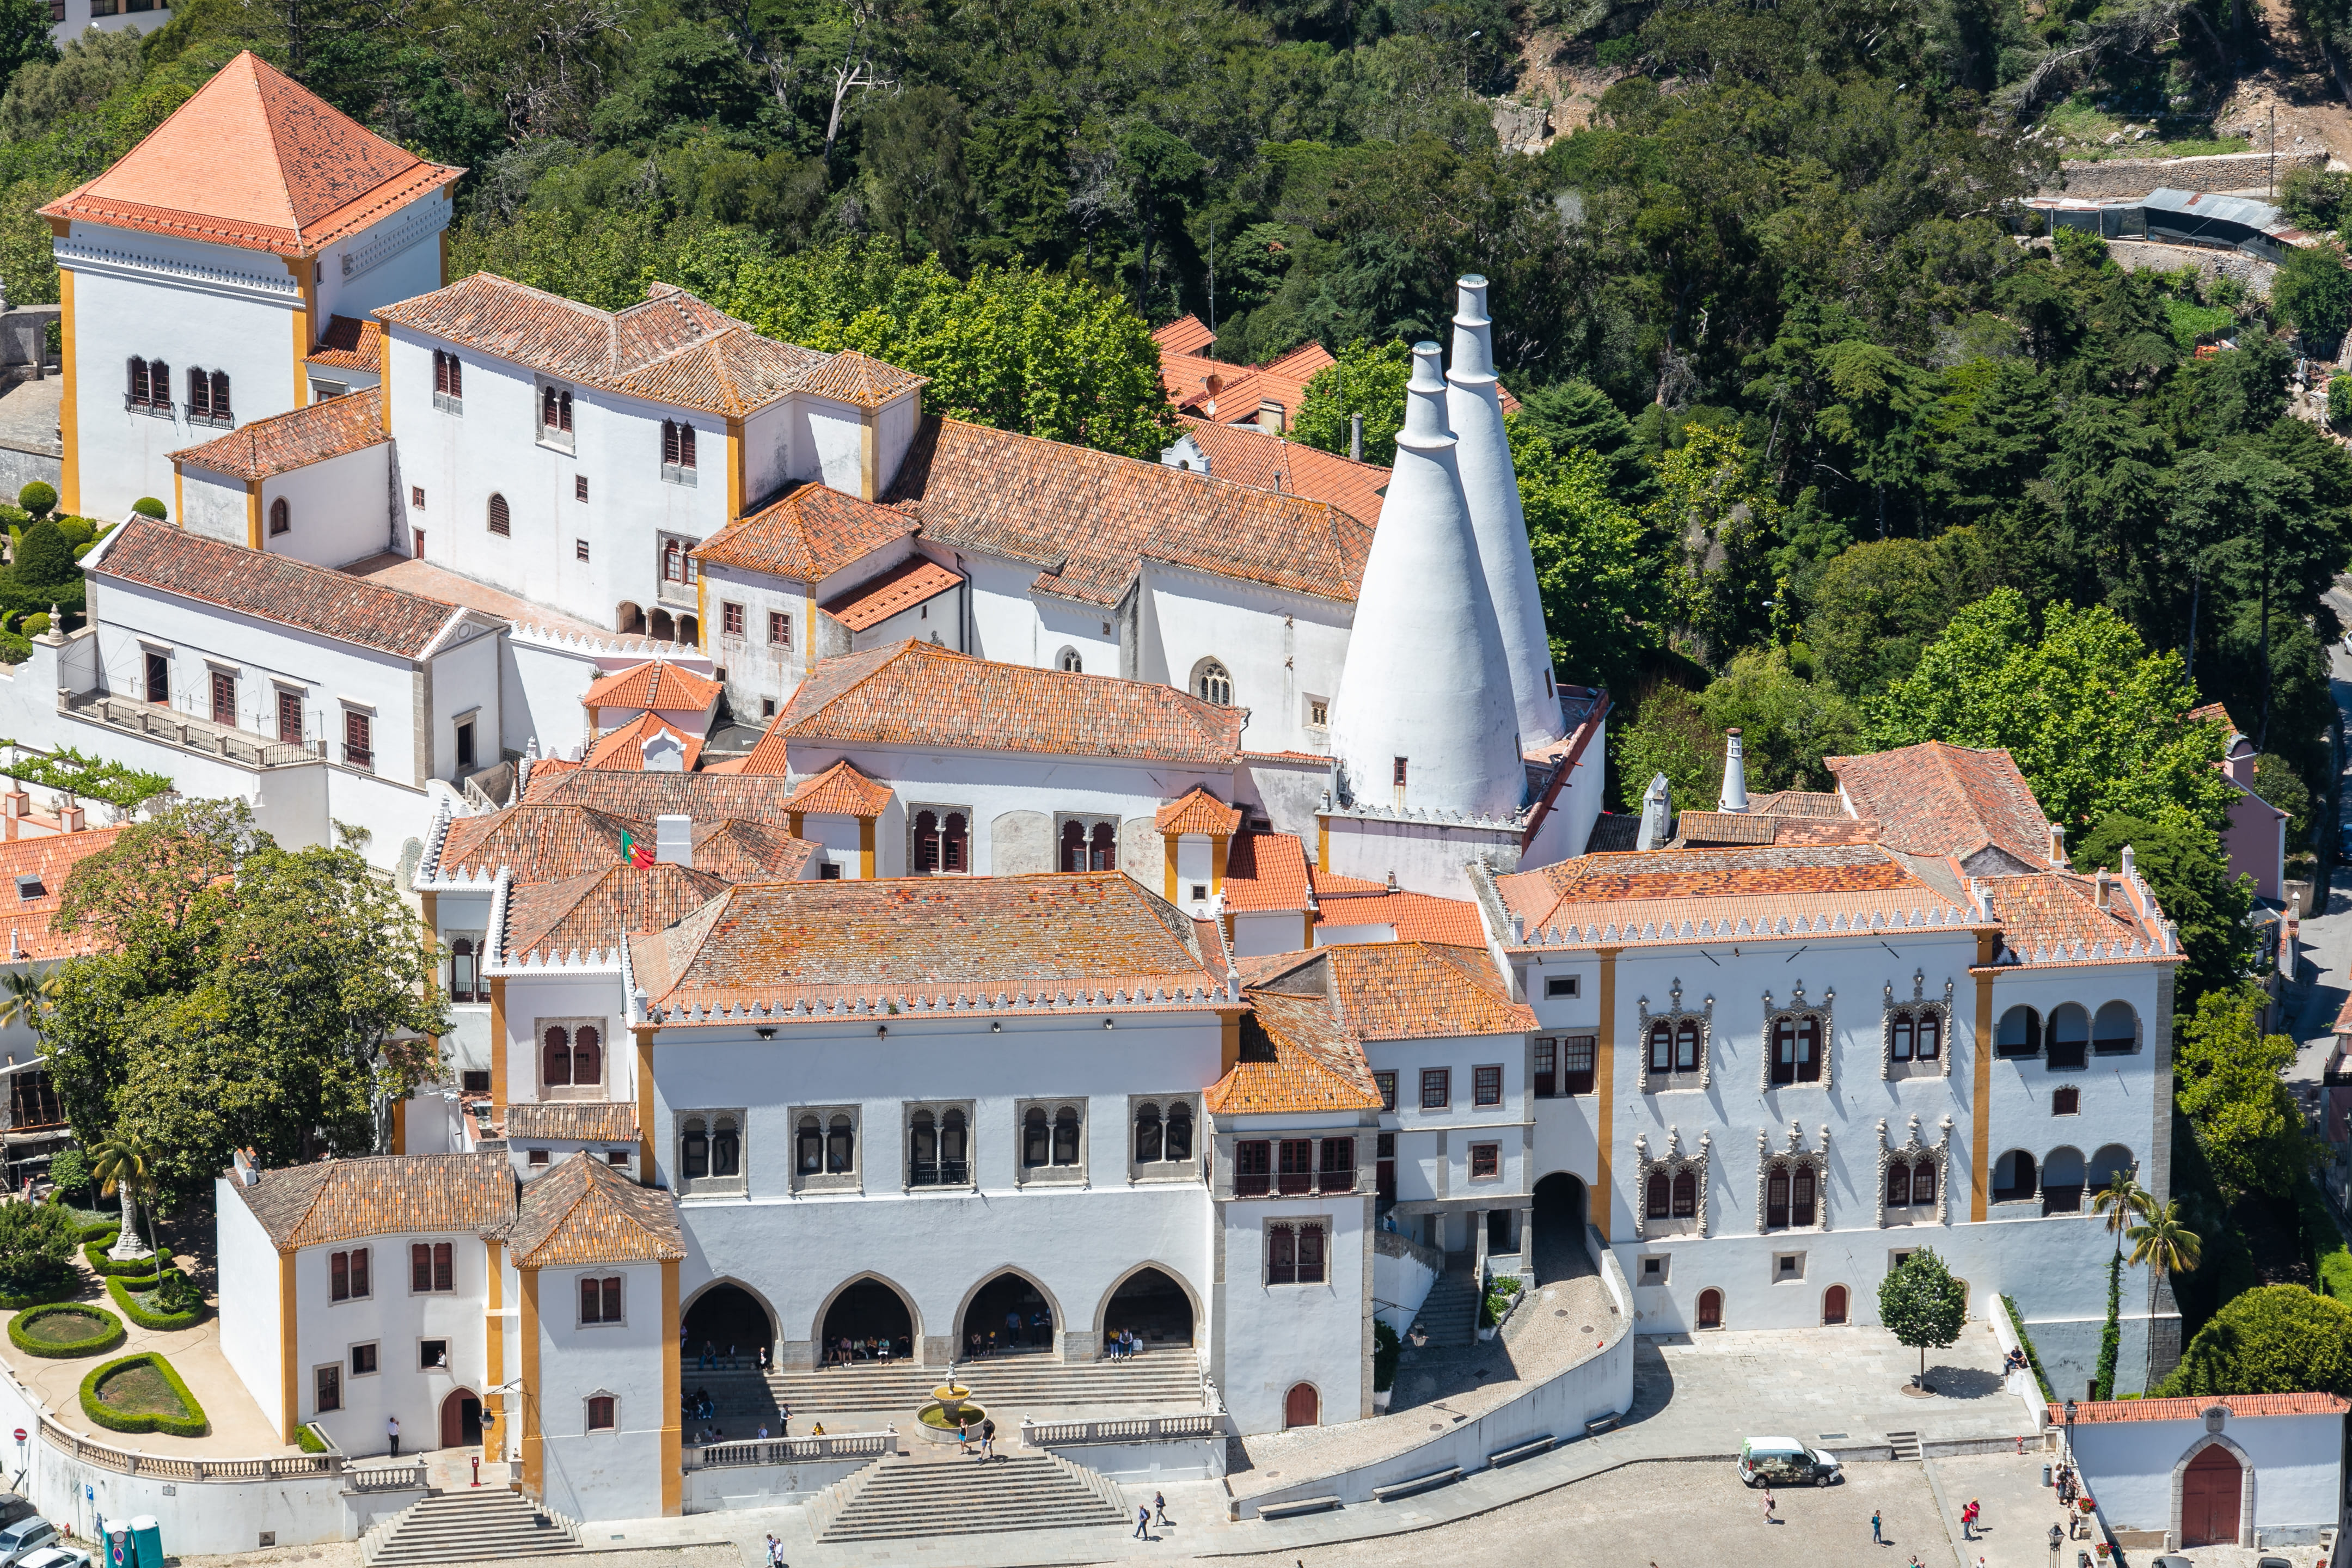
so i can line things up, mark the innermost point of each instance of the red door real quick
(461, 1420)
(2209, 1500)
(1833, 1305)
(1710, 1309)
(225, 699)
(290, 718)
(1301, 1407)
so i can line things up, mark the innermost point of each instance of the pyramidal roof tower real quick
(1475, 412)
(1423, 719)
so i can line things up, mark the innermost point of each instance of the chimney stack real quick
(674, 841)
(1355, 437)
(2058, 846)
(1657, 813)
(1735, 775)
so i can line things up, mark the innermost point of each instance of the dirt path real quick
(2287, 76)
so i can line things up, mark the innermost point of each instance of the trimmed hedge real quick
(309, 1440)
(63, 1288)
(147, 1317)
(93, 1253)
(192, 1424)
(2025, 1343)
(106, 1340)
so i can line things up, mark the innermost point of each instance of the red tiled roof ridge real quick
(840, 790)
(655, 683)
(2100, 1412)
(624, 747)
(917, 580)
(280, 443)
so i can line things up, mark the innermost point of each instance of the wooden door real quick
(1301, 1407)
(2209, 1500)
(225, 699)
(1833, 1305)
(461, 1420)
(1710, 1309)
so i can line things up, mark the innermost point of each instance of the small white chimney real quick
(2058, 846)
(1657, 813)
(1735, 775)
(674, 840)
(2128, 873)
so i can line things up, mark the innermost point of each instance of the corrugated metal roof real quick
(2203, 204)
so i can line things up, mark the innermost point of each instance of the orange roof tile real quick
(273, 587)
(841, 791)
(1939, 799)
(351, 343)
(35, 870)
(583, 1121)
(537, 843)
(625, 747)
(860, 379)
(2052, 917)
(912, 582)
(1296, 1057)
(255, 160)
(1088, 519)
(1694, 827)
(284, 442)
(809, 533)
(1198, 811)
(1418, 990)
(703, 796)
(1414, 917)
(656, 684)
(1266, 871)
(597, 910)
(744, 851)
(2106, 1412)
(1185, 335)
(586, 1210)
(1670, 895)
(915, 694)
(1248, 455)
(1092, 939)
(384, 1195)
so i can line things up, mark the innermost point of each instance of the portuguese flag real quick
(636, 853)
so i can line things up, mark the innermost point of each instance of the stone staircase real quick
(1011, 1386)
(903, 1500)
(467, 1527)
(1449, 1315)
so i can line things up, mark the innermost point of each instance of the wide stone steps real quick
(467, 1527)
(1009, 1386)
(902, 1500)
(1449, 1315)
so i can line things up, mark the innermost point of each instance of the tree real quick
(1605, 596)
(1922, 1305)
(2096, 722)
(2246, 1119)
(2277, 1339)
(36, 1249)
(2314, 293)
(42, 557)
(124, 1164)
(2190, 876)
(2119, 1201)
(2276, 782)
(24, 35)
(1786, 724)
(1369, 379)
(1876, 606)
(914, 165)
(1574, 413)
(178, 1040)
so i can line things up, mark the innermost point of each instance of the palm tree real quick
(2164, 1240)
(2122, 1200)
(26, 996)
(121, 1164)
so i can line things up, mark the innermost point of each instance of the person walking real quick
(988, 1439)
(963, 1438)
(1159, 1508)
(392, 1430)
(1012, 1335)
(1767, 1507)
(1968, 1517)
(1142, 1522)
(1878, 1529)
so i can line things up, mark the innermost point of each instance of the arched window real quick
(1800, 1196)
(808, 1147)
(281, 517)
(673, 559)
(923, 1146)
(2070, 1036)
(220, 396)
(1036, 1138)
(1686, 1194)
(726, 1146)
(952, 1146)
(1180, 1131)
(461, 970)
(955, 843)
(840, 1147)
(1212, 682)
(587, 1055)
(1073, 847)
(1931, 1034)
(448, 375)
(1103, 847)
(1069, 661)
(1066, 1136)
(1656, 1199)
(927, 841)
(2012, 1177)
(1898, 1184)
(200, 393)
(2116, 1029)
(694, 1149)
(1148, 1134)
(142, 391)
(555, 1057)
(501, 522)
(2020, 1034)
(1662, 1048)
(1797, 1048)
(1923, 1184)
(1903, 1036)
(555, 410)
(1673, 1048)
(677, 444)
(1776, 1201)
(2062, 1182)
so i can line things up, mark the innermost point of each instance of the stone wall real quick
(2098, 179)
(2144, 256)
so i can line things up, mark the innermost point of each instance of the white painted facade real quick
(2290, 1469)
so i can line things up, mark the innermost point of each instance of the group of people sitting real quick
(1122, 1344)
(847, 1349)
(1033, 1332)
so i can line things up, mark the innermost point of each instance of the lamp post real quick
(2070, 1460)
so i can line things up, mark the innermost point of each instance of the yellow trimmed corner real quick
(289, 1348)
(1220, 848)
(672, 1459)
(644, 1106)
(1604, 1086)
(494, 1349)
(1980, 1095)
(534, 1459)
(498, 1048)
(1168, 844)
(735, 471)
(69, 409)
(305, 269)
(866, 849)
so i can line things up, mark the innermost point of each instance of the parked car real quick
(56, 1557)
(13, 1508)
(1785, 1462)
(23, 1539)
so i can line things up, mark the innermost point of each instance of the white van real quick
(1785, 1462)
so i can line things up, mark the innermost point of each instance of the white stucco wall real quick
(396, 1320)
(250, 1314)
(1282, 648)
(2129, 1467)
(602, 1475)
(338, 511)
(1272, 1337)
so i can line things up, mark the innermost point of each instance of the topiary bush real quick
(150, 1387)
(108, 1335)
(37, 499)
(45, 556)
(172, 1302)
(148, 506)
(2275, 1339)
(309, 1440)
(93, 1253)
(37, 1245)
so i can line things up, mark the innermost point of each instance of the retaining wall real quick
(2102, 177)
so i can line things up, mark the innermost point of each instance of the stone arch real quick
(960, 1337)
(629, 618)
(812, 1354)
(2216, 1439)
(1560, 1207)
(1100, 1328)
(759, 1299)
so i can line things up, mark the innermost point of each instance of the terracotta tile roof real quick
(912, 582)
(2053, 917)
(1805, 830)
(1266, 871)
(669, 347)
(1247, 456)
(915, 694)
(33, 874)
(1296, 1057)
(596, 910)
(625, 747)
(859, 379)
(1798, 802)
(1671, 895)
(384, 1194)
(1185, 335)
(1231, 393)
(1089, 518)
(841, 791)
(1058, 938)
(1198, 811)
(642, 797)
(256, 161)
(585, 1211)
(284, 442)
(2106, 1412)
(351, 343)
(1418, 990)
(581, 1121)
(1614, 833)
(810, 533)
(656, 684)
(1939, 799)
(1331, 884)
(743, 851)
(273, 587)
(539, 842)
(2214, 713)
(1710, 828)
(1415, 916)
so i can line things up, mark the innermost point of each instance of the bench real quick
(1418, 1484)
(1526, 1450)
(1598, 1425)
(1296, 1506)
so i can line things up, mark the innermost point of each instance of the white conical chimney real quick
(1423, 716)
(1491, 487)
(1735, 775)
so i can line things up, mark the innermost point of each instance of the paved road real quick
(2326, 978)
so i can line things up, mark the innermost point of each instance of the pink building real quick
(2255, 840)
